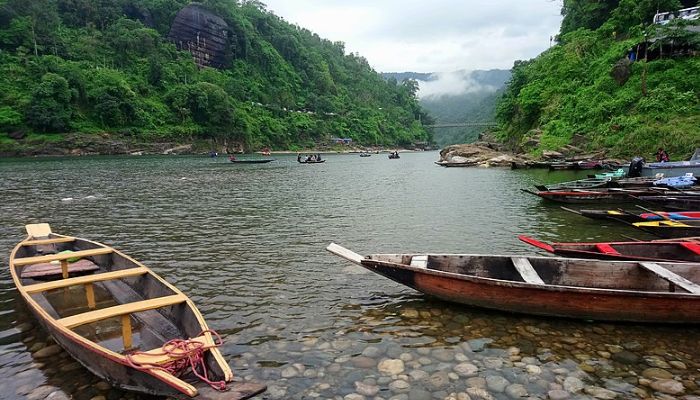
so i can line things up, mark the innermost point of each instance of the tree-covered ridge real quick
(587, 86)
(107, 66)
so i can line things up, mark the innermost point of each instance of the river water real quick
(246, 242)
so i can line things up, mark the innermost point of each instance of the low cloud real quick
(451, 84)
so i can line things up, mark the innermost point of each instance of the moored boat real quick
(683, 250)
(120, 320)
(548, 286)
(670, 228)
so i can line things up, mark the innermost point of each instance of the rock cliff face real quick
(202, 33)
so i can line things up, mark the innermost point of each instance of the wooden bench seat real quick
(81, 280)
(38, 242)
(120, 310)
(156, 356)
(671, 277)
(62, 256)
(527, 272)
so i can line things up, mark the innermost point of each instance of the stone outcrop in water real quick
(204, 34)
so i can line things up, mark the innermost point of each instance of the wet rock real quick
(516, 391)
(668, 386)
(573, 384)
(466, 369)
(477, 393)
(656, 373)
(391, 367)
(372, 352)
(399, 386)
(626, 357)
(419, 394)
(48, 351)
(600, 393)
(496, 383)
(439, 379)
(558, 394)
(364, 362)
(366, 389)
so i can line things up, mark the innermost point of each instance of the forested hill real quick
(594, 89)
(125, 68)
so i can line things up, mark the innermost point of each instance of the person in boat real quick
(661, 155)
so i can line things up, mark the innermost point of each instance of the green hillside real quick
(586, 85)
(106, 66)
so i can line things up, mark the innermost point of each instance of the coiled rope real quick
(184, 355)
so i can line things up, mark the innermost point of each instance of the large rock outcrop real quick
(204, 34)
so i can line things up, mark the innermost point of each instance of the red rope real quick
(184, 355)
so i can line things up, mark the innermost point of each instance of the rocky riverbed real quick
(421, 352)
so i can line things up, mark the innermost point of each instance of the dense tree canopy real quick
(596, 83)
(106, 66)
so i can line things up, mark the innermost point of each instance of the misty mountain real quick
(460, 96)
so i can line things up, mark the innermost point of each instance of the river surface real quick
(246, 242)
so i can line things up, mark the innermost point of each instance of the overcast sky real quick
(430, 36)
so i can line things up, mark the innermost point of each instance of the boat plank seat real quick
(606, 249)
(156, 356)
(419, 261)
(692, 246)
(527, 272)
(47, 269)
(38, 242)
(82, 280)
(62, 256)
(120, 310)
(671, 277)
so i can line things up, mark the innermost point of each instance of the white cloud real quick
(440, 35)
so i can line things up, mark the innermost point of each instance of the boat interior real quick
(620, 275)
(106, 297)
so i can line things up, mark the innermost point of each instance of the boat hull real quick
(544, 301)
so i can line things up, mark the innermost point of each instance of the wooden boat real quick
(675, 202)
(588, 183)
(548, 286)
(671, 229)
(251, 161)
(632, 217)
(114, 316)
(677, 251)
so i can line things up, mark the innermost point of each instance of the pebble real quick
(558, 394)
(48, 351)
(496, 383)
(466, 369)
(391, 367)
(366, 389)
(516, 391)
(668, 386)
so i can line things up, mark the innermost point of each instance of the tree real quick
(49, 109)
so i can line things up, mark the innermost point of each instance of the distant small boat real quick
(264, 161)
(683, 250)
(548, 286)
(121, 321)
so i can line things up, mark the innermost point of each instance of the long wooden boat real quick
(676, 202)
(678, 251)
(670, 228)
(632, 217)
(119, 319)
(588, 183)
(548, 286)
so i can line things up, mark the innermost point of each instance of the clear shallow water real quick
(246, 242)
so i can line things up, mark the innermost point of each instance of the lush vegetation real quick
(587, 86)
(94, 66)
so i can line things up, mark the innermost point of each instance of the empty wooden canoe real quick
(113, 315)
(682, 250)
(548, 286)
